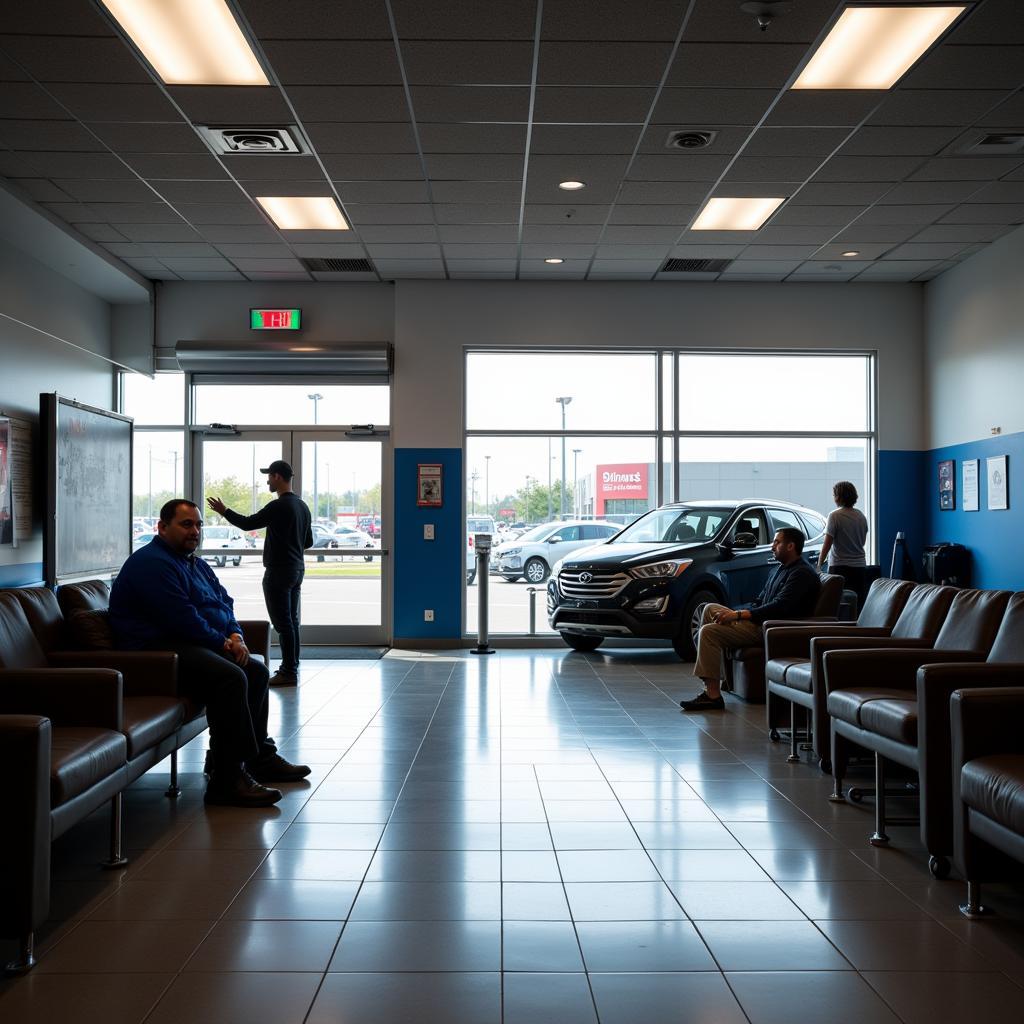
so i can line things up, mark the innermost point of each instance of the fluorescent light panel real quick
(725, 213)
(874, 47)
(189, 42)
(304, 213)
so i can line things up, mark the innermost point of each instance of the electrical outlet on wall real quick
(428, 614)
(428, 531)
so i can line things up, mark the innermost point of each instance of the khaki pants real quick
(715, 639)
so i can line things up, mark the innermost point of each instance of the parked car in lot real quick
(474, 525)
(229, 538)
(345, 536)
(650, 579)
(532, 554)
(370, 525)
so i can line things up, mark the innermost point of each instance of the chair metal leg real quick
(879, 838)
(117, 858)
(973, 907)
(26, 959)
(172, 791)
(840, 757)
(794, 756)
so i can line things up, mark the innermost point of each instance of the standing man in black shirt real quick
(288, 522)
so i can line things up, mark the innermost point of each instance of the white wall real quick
(974, 326)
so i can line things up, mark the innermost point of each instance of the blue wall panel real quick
(428, 574)
(901, 497)
(22, 574)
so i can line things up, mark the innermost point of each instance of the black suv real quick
(650, 579)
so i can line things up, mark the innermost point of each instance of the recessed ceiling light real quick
(572, 186)
(554, 259)
(189, 42)
(873, 47)
(304, 213)
(736, 214)
(852, 252)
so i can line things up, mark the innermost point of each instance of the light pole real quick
(575, 482)
(487, 484)
(474, 476)
(253, 480)
(550, 457)
(150, 481)
(315, 399)
(563, 402)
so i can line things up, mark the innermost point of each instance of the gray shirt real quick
(848, 529)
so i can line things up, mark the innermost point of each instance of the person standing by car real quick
(790, 593)
(845, 533)
(289, 533)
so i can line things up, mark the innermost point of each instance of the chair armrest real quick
(892, 667)
(986, 721)
(145, 673)
(942, 677)
(793, 640)
(67, 696)
(820, 646)
(256, 633)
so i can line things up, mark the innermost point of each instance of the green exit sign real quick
(275, 319)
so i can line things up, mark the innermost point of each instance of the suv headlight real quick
(661, 570)
(511, 551)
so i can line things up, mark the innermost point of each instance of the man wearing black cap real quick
(288, 522)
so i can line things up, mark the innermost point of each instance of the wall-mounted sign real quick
(969, 469)
(622, 480)
(998, 495)
(428, 485)
(275, 319)
(947, 484)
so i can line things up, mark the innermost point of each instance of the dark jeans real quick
(237, 703)
(282, 589)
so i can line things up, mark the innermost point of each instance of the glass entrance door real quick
(341, 480)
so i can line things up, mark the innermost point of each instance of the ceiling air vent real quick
(690, 138)
(338, 266)
(253, 141)
(694, 266)
(990, 143)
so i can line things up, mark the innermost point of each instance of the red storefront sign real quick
(621, 480)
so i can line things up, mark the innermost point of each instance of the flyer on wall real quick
(997, 493)
(6, 499)
(969, 469)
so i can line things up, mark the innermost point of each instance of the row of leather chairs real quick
(77, 726)
(884, 684)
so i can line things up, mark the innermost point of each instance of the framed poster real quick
(969, 474)
(428, 484)
(947, 484)
(998, 493)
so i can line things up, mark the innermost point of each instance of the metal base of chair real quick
(973, 908)
(172, 792)
(117, 859)
(25, 960)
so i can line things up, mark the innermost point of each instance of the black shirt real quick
(790, 593)
(289, 532)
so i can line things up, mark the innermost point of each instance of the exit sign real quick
(275, 319)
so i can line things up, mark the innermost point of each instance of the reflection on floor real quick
(530, 837)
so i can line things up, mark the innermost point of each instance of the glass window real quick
(567, 533)
(278, 404)
(158, 469)
(751, 523)
(773, 392)
(783, 518)
(159, 401)
(674, 525)
(532, 390)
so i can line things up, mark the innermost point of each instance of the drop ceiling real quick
(443, 129)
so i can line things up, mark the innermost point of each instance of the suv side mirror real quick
(557, 539)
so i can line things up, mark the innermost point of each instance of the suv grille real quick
(598, 585)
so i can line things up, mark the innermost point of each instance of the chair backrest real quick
(43, 613)
(924, 612)
(886, 599)
(1008, 645)
(973, 620)
(19, 647)
(90, 596)
(829, 595)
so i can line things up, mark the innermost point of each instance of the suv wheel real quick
(512, 579)
(579, 642)
(536, 570)
(685, 641)
(236, 562)
(221, 561)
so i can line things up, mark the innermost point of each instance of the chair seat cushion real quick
(896, 719)
(747, 654)
(80, 757)
(777, 669)
(847, 705)
(994, 785)
(148, 720)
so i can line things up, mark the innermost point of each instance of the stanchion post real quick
(482, 546)
(533, 610)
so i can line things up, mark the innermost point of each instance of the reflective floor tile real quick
(902, 946)
(40, 998)
(668, 810)
(782, 835)
(428, 901)
(419, 946)
(735, 901)
(176, 867)
(685, 835)
(664, 999)
(770, 946)
(643, 946)
(405, 835)
(852, 901)
(229, 834)
(447, 810)
(236, 998)
(529, 836)
(607, 866)
(316, 865)
(335, 811)
(529, 866)
(288, 946)
(158, 901)
(594, 835)
(540, 946)
(547, 999)
(533, 901)
(707, 866)
(622, 901)
(814, 865)
(435, 866)
(293, 899)
(330, 836)
(584, 810)
(825, 997)
(935, 997)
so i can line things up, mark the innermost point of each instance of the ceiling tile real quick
(926, 251)
(477, 191)
(215, 213)
(903, 270)
(983, 213)
(321, 250)
(322, 19)
(480, 251)
(726, 22)
(464, 19)
(641, 233)
(794, 142)
(482, 267)
(470, 103)
(970, 67)
(74, 58)
(177, 166)
(372, 103)
(786, 235)
(256, 250)
(858, 234)
(967, 168)
(602, 19)
(580, 139)
(906, 140)
(772, 168)
(714, 251)
(211, 275)
(96, 103)
(543, 188)
(915, 191)
(478, 62)
(779, 252)
(922, 214)
(646, 267)
(107, 191)
(382, 191)
(628, 213)
(663, 192)
(747, 65)
(473, 138)
(55, 17)
(197, 265)
(334, 61)
(78, 165)
(580, 105)
(372, 166)
(42, 190)
(824, 107)
(954, 107)
(726, 140)
(177, 232)
(225, 191)
(839, 193)
(962, 233)
(137, 213)
(373, 137)
(390, 213)
(218, 233)
(999, 192)
(1008, 113)
(543, 213)
(247, 265)
(570, 233)
(679, 166)
(764, 266)
(798, 216)
(607, 63)
(42, 136)
(618, 251)
(867, 168)
(475, 167)
(26, 100)
(479, 233)
(134, 137)
(714, 107)
(567, 250)
(403, 251)
(232, 104)
(101, 232)
(179, 250)
(997, 22)
(865, 250)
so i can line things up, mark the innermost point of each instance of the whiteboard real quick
(89, 489)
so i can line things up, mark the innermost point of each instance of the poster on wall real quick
(947, 485)
(6, 499)
(997, 489)
(969, 484)
(20, 460)
(428, 485)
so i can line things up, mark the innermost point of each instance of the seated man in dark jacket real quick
(164, 598)
(790, 593)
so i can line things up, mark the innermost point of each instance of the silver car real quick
(534, 553)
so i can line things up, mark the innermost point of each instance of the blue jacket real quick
(160, 596)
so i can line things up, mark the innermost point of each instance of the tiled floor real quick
(530, 837)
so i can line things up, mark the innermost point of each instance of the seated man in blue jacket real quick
(164, 598)
(790, 593)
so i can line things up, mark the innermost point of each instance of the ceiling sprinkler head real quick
(765, 11)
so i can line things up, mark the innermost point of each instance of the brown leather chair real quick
(877, 699)
(64, 752)
(988, 783)
(744, 666)
(789, 670)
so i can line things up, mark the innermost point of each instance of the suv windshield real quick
(536, 533)
(674, 526)
(480, 525)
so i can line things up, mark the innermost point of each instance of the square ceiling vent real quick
(253, 141)
(694, 266)
(338, 266)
